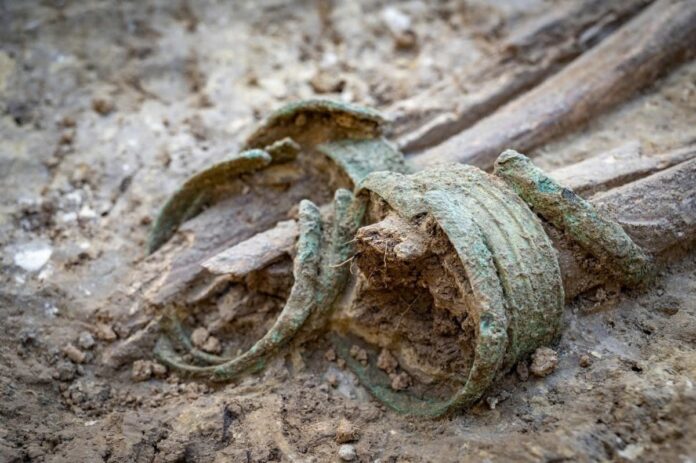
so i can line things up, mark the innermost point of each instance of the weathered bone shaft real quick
(626, 61)
(617, 167)
(533, 52)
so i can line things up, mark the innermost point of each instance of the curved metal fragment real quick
(319, 277)
(337, 119)
(349, 135)
(602, 238)
(299, 306)
(197, 191)
(359, 158)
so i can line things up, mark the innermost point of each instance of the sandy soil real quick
(107, 107)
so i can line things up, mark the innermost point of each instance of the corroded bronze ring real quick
(511, 282)
(349, 137)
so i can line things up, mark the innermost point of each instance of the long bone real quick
(604, 171)
(631, 58)
(534, 51)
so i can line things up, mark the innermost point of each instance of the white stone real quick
(33, 257)
(396, 21)
(347, 452)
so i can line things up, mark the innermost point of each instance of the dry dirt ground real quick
(106, 107)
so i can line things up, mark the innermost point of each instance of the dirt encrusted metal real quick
(348, 135)
(602, 238)
(510, 265)
(506, 282)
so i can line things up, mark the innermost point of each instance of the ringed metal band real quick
(510, 265)
(349, 136)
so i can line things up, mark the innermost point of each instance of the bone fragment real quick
(630, 59)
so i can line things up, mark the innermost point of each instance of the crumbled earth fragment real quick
(85, 340)
(346, 452)
(544, 361)
(386, 361)
(346, 432)
(400, 381)
(585, 361)
(74, 354)
(522, 371)
(142, 370)
(105, 332)
(199, 337)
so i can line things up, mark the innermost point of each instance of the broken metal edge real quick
(365, 122)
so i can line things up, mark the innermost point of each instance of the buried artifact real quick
(457, 274)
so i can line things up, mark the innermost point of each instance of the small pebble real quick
(346, 432)
(212, 345)
(544, 361)
(105, 332)
(347, 452)
(199, 337)
(330, 355)
(406, 40)
(159, 370)
(142, 370)
(359, 354)
(400, 381)
(102, 105)
(585, 361)
(332, 379)
(386, 361)
(74, 354)
(65, 371)
(85, 340)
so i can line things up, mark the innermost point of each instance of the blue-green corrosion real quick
(510, 264)
(349, 135)
(599, 236)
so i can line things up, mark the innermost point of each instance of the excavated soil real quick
(107, 107)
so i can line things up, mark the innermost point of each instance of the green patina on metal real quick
(358, 158)
(602, 238)
(319, 278)
(510, 265)
(197, 191)
(349, 135)
(319, 273)
(339, 120)
(299, 306)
